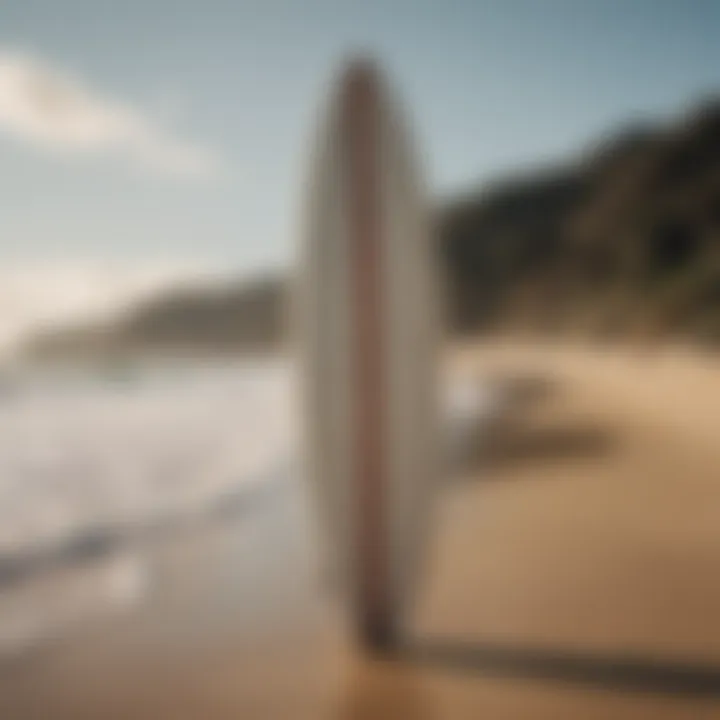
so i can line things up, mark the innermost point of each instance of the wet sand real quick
(574, 574)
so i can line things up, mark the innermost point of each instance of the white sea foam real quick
(79, 453)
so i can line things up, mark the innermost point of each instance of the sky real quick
(176, 131)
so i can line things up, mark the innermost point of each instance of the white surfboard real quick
(368, 332)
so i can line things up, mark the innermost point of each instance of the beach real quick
(573, 574)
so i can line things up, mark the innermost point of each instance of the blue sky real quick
(199, 112)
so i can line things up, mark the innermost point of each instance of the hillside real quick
(624, 240)
(197, 319)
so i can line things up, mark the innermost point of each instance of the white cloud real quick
(48, 108)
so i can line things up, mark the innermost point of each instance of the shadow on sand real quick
(516, 445)
(626, 673)
(516, 435)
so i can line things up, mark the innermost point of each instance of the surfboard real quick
(368, 321)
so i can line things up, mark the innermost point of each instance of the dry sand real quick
(575, 574)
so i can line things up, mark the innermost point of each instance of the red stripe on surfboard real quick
(361, 126)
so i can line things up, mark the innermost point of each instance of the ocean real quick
(94, 461)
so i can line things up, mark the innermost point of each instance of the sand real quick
(574, 574)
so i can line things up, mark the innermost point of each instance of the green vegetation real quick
(629, 236)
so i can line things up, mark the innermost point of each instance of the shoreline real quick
(586, 530)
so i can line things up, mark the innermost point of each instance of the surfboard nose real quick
(360, 69)
(361, 82)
